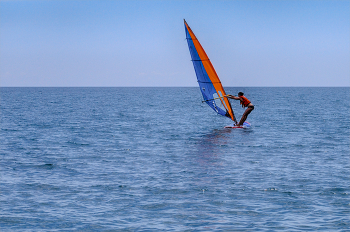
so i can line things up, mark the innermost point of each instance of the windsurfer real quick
(245, 103)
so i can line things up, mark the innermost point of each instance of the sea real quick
(158, 159)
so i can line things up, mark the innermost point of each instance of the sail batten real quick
(208, 80)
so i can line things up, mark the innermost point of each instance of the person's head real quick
(240, 94)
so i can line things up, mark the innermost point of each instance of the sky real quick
(105, 43)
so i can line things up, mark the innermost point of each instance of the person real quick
(245, 103)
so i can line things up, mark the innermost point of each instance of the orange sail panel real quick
(207, 78)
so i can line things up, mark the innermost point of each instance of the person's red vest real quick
(244, 101)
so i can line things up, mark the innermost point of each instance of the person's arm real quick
(233, 97)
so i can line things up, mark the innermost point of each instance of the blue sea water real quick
(150, 159)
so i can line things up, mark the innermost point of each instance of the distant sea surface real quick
(151, 159)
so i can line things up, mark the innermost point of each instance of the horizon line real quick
(335, 86)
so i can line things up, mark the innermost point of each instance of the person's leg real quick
(245, 115)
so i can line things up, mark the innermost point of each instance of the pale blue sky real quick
(142, 43)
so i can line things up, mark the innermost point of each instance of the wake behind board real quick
(245, 125)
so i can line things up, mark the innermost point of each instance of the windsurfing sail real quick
(209, 83)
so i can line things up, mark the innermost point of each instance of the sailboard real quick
(209, 83)
(246, 125)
